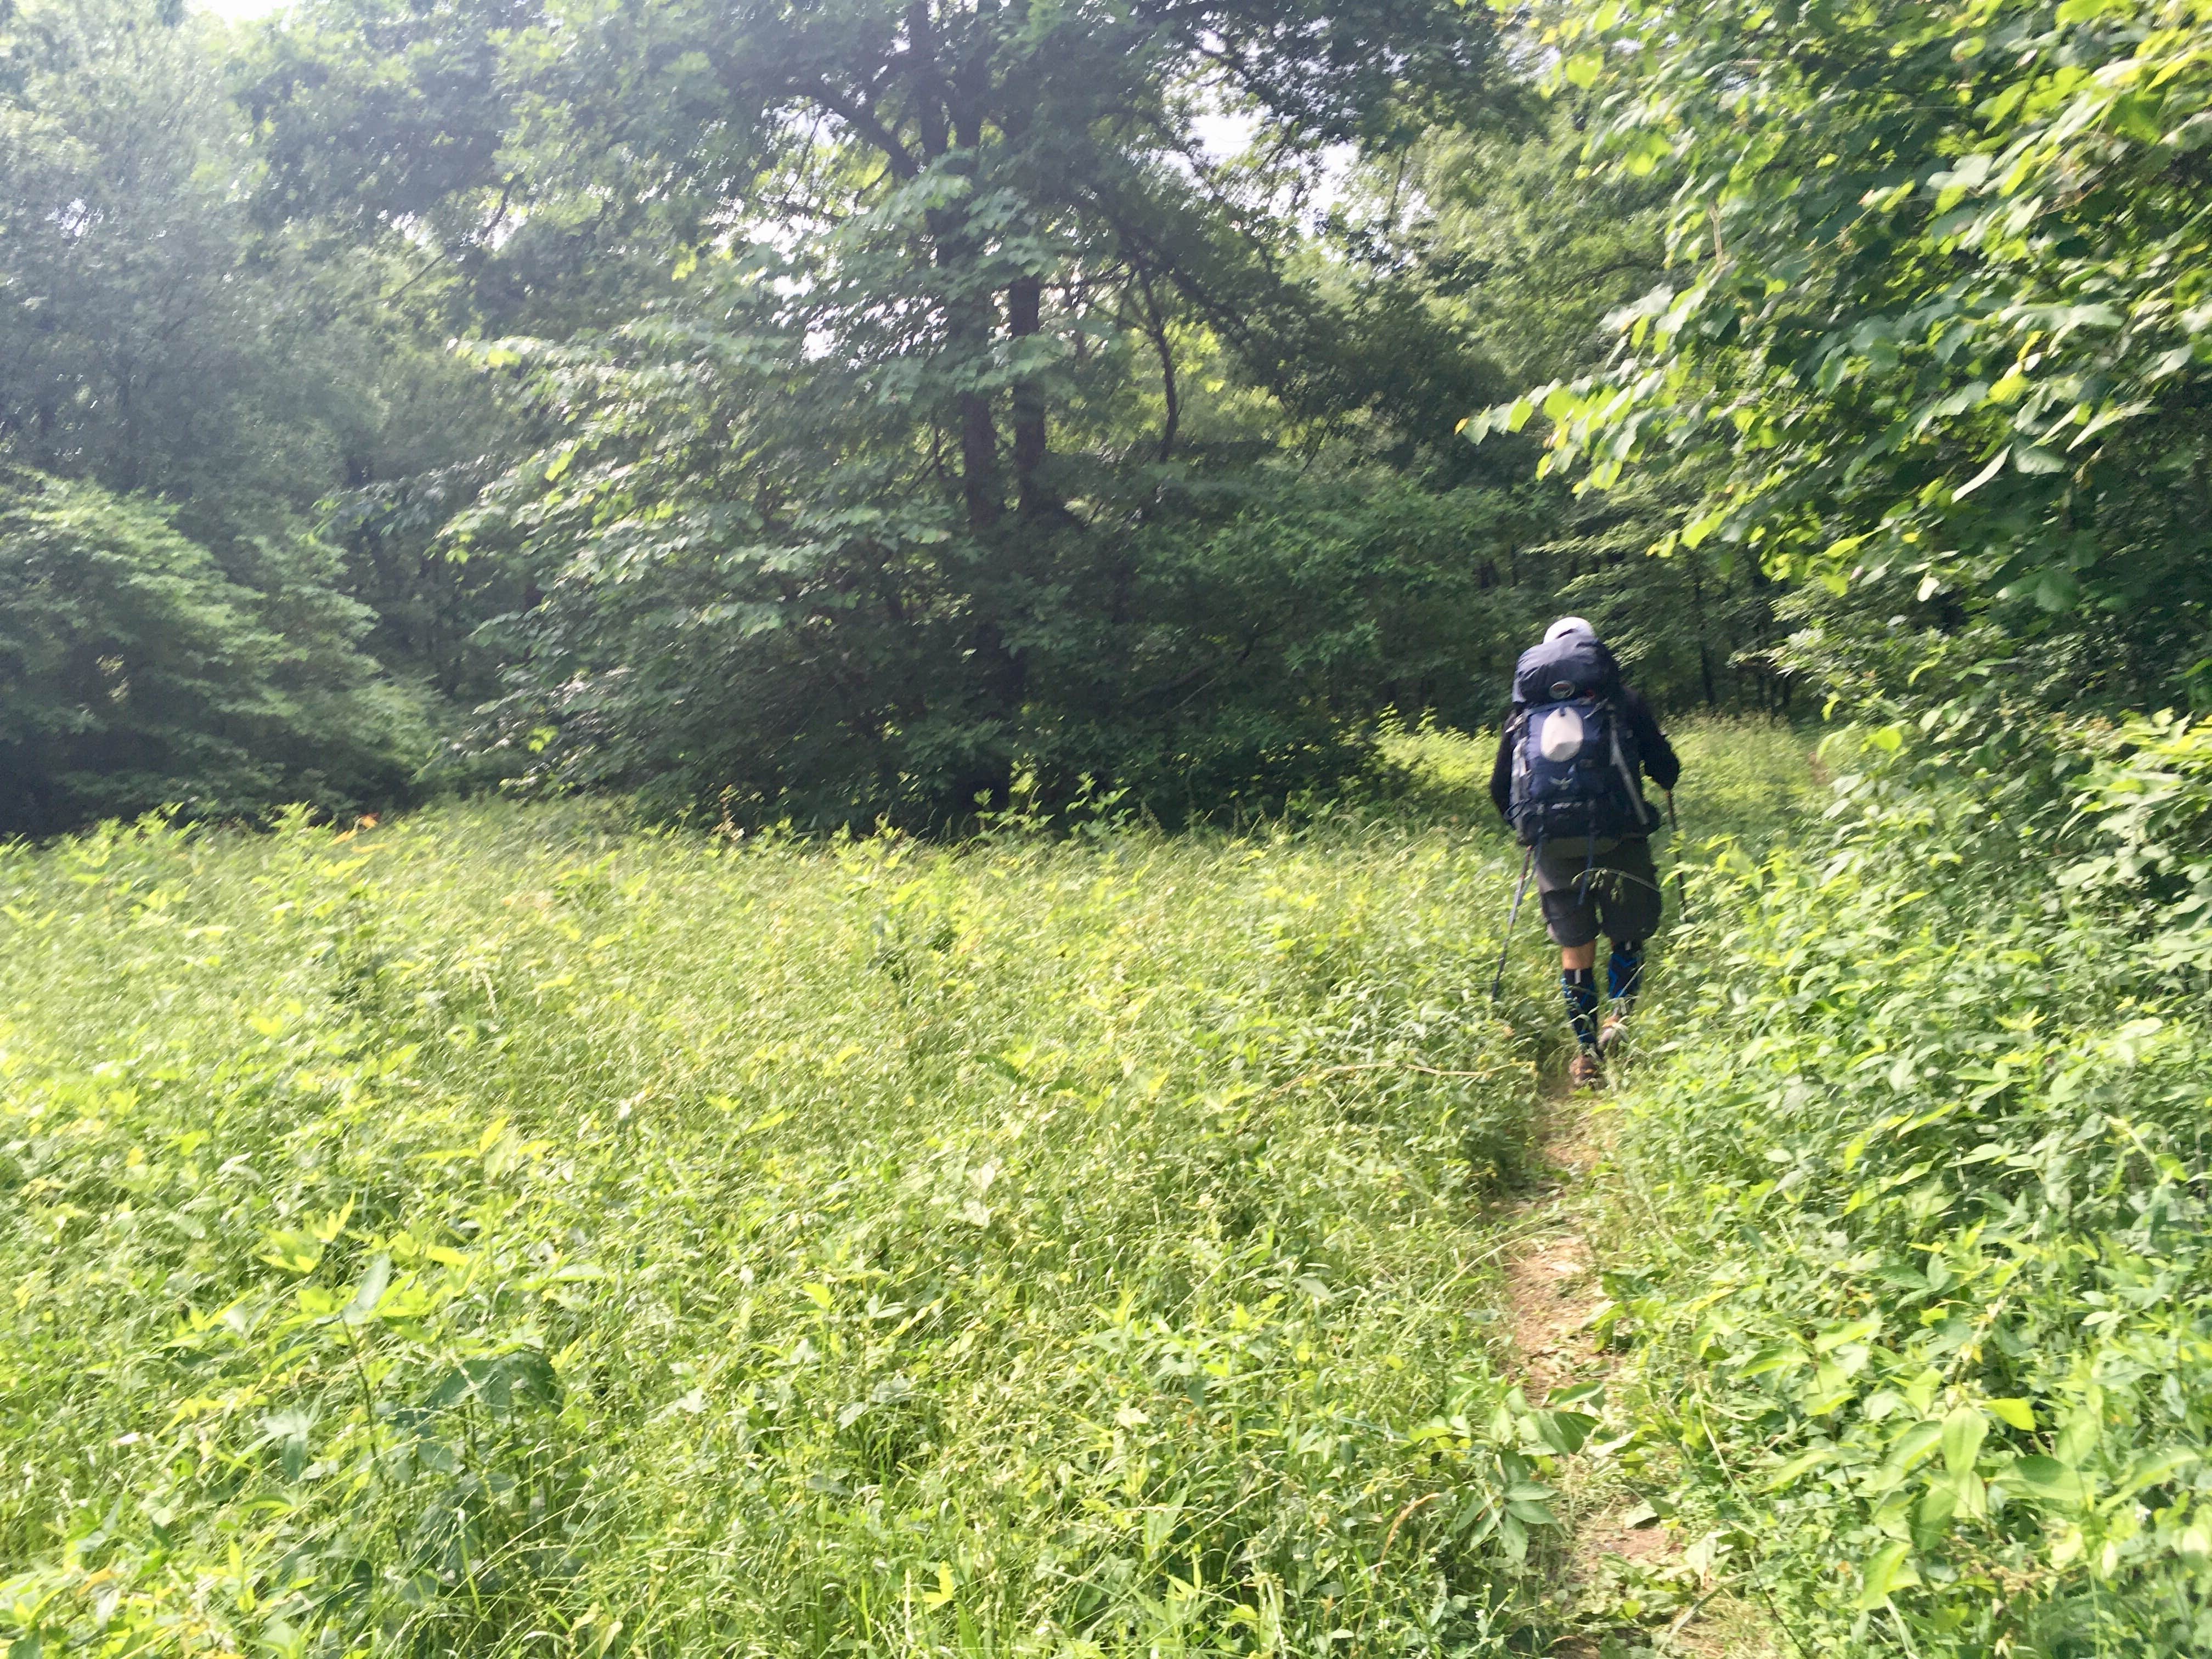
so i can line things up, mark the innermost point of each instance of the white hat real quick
(1566, 625)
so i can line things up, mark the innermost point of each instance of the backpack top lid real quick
(1573, 665)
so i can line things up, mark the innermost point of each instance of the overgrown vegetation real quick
(505, 1228)
(1038, 430)
(1934, 332)
(1909, 1222)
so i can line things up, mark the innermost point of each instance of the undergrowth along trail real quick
(1903, 1225)
(504, 1229)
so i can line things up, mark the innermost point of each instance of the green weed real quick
(506, 1231)
(1912, 1230)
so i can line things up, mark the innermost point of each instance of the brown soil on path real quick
(1552, 1295)
(1551, 1279)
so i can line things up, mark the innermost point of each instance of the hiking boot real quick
(1586, 1070)
(1615, 1028)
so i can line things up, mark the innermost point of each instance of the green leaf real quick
(294, 1252)
(2155, 1468)
(1858, 1330)
(1995, 467)
(1773, 1358)
(2054, 589)
(374, 1281)
(1959, 1493)
(1884, 1571)
(1962, 1439)
(1798, 1466)
(1564, 1432)
(2047, 1480)
(1915, 1443)
(1642, 153)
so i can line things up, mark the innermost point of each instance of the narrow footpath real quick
(1621, 1565)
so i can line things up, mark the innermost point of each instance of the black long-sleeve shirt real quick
(1659, 761)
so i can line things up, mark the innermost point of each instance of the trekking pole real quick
(1681, 886)
(1527, 863)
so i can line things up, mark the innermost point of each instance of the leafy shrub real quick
(2147, 801)
(135, 673)
(1932, 334)
(1927, 1311)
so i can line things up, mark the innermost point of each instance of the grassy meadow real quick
(503, 1230)
(507, 1230)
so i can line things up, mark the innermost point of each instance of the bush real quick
(134, 674)
(1926, 1318)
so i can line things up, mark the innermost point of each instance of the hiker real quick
(1569, 779)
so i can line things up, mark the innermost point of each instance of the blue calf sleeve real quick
(1624, 972)
(1579, 986)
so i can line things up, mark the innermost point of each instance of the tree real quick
(174, 396)
(758, 597)
(145, 340)
(1936, 333)
(897, 429)
(135, 675)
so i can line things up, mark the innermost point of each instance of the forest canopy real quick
(832, 413)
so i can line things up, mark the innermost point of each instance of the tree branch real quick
(1156, 327)
(865, 123)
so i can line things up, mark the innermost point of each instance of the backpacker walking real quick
(1570, 780)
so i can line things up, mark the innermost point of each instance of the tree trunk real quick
(1705, 649)
(970, 320)
(1157, 326)
(978, 459)
(1024, 313)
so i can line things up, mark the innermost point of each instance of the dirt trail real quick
(1551, 1278)
(1552, 1293)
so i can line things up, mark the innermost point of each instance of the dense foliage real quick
(176, 632)
(499, 1229)
(832, 416)
(1921, 1322)
(855, 528)
(1908, 1238)
(1934, 330)
(135, 674)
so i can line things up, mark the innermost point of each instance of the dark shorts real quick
(1614, 892)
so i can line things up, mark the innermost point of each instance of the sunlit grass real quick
(1743, 776)
(504, 1230)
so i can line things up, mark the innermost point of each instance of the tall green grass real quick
(1909, 1238)
(506, 1231)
